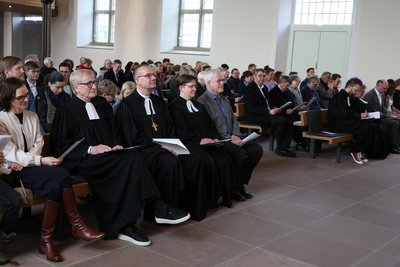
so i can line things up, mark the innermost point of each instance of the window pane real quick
(112, 28)
(189, 30)
(208, 4)
(191, 4)
(102, 5)
(207, 31)
(101, 31)
(330, 12)
(113, 5)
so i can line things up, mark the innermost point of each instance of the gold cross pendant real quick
(154, 126)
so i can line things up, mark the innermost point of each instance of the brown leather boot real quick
(79, 229)
(49, 221)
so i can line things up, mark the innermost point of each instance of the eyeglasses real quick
(190, 86)
(22, 97)
(89, 84)
(148, 75)
(219, 81)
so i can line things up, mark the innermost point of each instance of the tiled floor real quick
(306, 212)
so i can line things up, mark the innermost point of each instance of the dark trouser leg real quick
(284, 130)
(11, 201)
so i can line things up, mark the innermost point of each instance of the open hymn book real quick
(373, 115)
(174, 144)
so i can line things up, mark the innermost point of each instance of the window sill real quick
(189, 51)
(104, 47)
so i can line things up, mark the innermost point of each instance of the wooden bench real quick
(331, 140)
(81, 188)
(241, 114)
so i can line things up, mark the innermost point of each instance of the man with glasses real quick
(260, 110)
(310, 90)
(245, 156)
(374, 98)
(118, 178)
(116, 74)
(34, 87)
(65, 70)
(143, 116)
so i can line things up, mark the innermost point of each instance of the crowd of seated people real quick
(131, 106)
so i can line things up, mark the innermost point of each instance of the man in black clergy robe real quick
(343, 117)
(143, 116)
(119, 181)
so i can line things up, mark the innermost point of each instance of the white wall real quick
(375, 53)
(243, 34)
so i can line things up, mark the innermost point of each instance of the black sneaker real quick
(133, 235)
(171, 215)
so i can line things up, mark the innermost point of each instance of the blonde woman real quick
(127, 89)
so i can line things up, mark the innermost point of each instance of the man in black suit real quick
(260, 110)
(374, 98)
(279, 96)
(310, 90)
(116, 75)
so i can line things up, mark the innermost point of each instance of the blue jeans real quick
(11, 201)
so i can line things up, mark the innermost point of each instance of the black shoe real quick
(133, 235)
(285, 153)
(226, 203)
(171, 215)
(244, 192)
(395, 150)
(303, 148)
(238, 197)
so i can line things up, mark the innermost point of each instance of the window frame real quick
(110, 12)
(201, 13)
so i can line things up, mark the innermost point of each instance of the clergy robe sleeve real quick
(62, 136)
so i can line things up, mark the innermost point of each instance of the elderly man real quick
(310, 90)
(295, 90)
(324, 89)
(260, 110)
(244, 155)
(374, 98)
(118, 178)
(115, 74)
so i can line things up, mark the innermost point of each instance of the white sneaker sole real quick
(166, 221)
(356, 161)
(133, 241)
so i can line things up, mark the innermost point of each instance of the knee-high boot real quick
(49, 221)
(79, 229)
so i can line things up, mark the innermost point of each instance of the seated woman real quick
(51, 98)
(108, 90)
(200, 85)
(40, 174)
(269, 78)
(127, 89)
(245, 80)
(195, 129)
(388, 98)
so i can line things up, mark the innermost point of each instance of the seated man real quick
(324, 89)
(118, 178)
(260, 110)
(374, 98)
(244, 155)
(279, 96)
(115, 74)
(310, 90)
(310, 72)
(344, 117)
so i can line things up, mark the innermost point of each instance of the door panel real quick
(305, 51)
